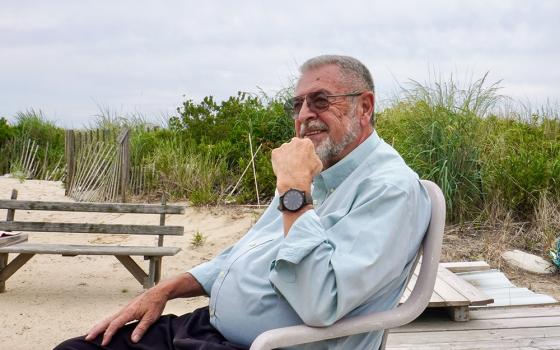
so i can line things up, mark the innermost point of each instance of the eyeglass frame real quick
(289, 106)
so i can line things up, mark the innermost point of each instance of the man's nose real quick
(305, 113)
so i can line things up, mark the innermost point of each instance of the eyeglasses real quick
(317, 102)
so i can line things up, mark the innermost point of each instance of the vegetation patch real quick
(497, 166)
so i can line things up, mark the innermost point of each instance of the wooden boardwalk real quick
(453, 293)
(496, 328)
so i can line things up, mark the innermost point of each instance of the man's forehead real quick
(327, 78)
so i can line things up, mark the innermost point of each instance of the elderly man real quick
(337, 241)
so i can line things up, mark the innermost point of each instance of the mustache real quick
(314, 125)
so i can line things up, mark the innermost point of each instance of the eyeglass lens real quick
(316, 102)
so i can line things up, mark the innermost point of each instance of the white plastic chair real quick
(401, 315)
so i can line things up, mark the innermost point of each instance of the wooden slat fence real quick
(99, 167)
(21, 158)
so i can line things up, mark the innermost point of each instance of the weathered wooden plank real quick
(448, 293)
(74, 249)
(477, 335)
(441, 325)
(510, 292)
(14, 265)
(466, 266)
(492, 344)
(31, 226)
(133, 268)
(475, 296)
(538, 299)
(6, 240)
(92, 207)
(525, 312)
(435, 300)
(487, 279)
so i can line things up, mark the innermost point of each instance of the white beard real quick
(327, 150)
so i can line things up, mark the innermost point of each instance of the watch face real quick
(293, 200)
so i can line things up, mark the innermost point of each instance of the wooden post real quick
(124, 143)
(12, 212)
(43, 173)
(254, 169)
(4, 256)
(69, 148)
(157, 262)
(3, 264)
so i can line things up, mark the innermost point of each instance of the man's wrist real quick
(283, 187)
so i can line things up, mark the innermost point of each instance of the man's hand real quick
(295, 164)
(146, 308)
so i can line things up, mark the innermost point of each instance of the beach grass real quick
(494, 159)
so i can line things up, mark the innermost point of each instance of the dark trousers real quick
(188, 332)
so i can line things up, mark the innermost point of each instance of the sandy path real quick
(53, 297)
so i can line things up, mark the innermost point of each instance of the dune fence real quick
(99, 167)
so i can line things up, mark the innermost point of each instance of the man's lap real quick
(190, 332)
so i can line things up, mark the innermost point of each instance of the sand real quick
(52, 298)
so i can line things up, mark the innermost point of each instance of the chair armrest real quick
(407, 312)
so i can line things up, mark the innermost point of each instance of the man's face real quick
(336, 131)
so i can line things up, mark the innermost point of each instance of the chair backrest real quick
(428, 274)
(405, 313)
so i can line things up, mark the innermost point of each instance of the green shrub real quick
(522, 162)
(32, 127)
(451, 136)
(222, 131)
(7, 134)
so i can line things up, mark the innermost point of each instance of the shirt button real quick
(252, 244)
(211, 311)
(331, 190)
(222, 274)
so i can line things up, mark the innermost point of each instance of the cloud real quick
(65, 57)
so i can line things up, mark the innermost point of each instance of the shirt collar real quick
(333, 176)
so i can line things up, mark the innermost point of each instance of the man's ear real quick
(367, 104)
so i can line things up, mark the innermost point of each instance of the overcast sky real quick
(72, 58)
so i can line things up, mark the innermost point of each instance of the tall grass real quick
(492, 159)
(186, 173)
(436, 127)
(32, 126)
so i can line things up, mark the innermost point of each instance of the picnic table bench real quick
(26, 250)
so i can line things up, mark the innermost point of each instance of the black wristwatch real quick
(293, 200)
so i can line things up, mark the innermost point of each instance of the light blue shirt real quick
(350, 255)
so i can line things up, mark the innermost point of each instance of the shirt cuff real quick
(306, 234)
(205, 275)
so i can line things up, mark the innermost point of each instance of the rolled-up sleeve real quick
(324, 273)
(206, 273)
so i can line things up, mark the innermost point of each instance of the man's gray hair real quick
(356, 73)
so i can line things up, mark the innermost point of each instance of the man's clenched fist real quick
(295, 164)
